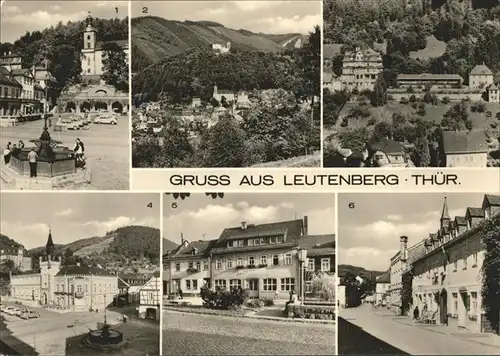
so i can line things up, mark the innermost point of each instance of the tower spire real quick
(49, 247)
(445, 216)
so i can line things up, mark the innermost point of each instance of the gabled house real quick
(150, 299)
(465, 148)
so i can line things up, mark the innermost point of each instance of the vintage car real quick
(106, 119)
(70, 124)
(78, 119)
(29, 314)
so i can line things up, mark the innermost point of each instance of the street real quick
(107, 148)
(401, 333)
(195, 334)
(61, 333)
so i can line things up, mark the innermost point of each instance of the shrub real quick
(240, 267)
(221, 298)
(371, 121)
(413, 98)
(403, 100)
(445, 100)
(268, 302)
(314, 313)
(256, 303)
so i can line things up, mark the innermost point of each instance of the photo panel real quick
(64, 103)
(224, 84)
(253, 270)
(411, 83)
(418, 274)
(80, 276)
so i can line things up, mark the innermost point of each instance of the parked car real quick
(9, 310)
(79, 120)
(29, 314)
(106, 119)
(70, 124)
(15, 311)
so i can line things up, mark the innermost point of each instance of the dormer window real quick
(279, 239)
(262, 241)
(272, 240)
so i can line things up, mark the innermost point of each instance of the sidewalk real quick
(486, 339)
(414, 339)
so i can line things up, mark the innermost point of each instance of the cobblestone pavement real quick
(194, 334)
(412, 339)
(107, 148)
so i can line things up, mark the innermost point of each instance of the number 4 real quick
(150, 205)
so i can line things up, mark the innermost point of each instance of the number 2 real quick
(144, 10)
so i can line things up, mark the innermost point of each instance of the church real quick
(64, 287)
(92, 53)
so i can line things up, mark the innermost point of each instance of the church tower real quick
(445, 216)
(49, 267)
(89, 48)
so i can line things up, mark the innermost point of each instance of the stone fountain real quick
(55, 165)
(104, 339)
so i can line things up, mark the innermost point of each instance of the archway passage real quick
(71, 106)
(117, 107)
(44, 299)
(150, 313)
(101, 106)
(85, 107)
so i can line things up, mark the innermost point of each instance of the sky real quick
(271, 17)
(72, 216)
(200, 217)
(19, 16)
(370, 224)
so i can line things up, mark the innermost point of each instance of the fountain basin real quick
(103, 340)
(62, 163)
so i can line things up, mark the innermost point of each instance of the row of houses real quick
(82, 288)
(444, 269)
(24, 91)
(264, 258)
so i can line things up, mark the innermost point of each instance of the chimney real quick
(243, 225)
(182, 238)
(404, 248)
(306, 226)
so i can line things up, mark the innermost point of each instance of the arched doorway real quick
(117, 107)
(70, 107)
(101, 106)
(44, 299)
(151, 313)
(85, 107)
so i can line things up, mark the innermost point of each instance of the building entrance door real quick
(443, 307)
(462, 309)
(44, 299)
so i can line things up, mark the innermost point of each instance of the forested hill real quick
(126, 242)
(358, 271)
(61, 45)
(154, 38)
(8, 245)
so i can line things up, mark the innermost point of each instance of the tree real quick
(325, 284)
(378, 96)
(425, 155)
(491, 270)
(115, 66)
(224, 144)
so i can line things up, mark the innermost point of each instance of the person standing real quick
(6, 155)
(32, 159)
(21, 144)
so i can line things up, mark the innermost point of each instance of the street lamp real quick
(302, 254)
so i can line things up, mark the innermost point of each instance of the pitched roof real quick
(455, 142)
(460, 221)
(6, 78)
(475, 212)
(429, 76)
(318, 245)
(388, 147)
(193, 248)
(83, 270)
(481, 69)
(493, 200)
(292, 229)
